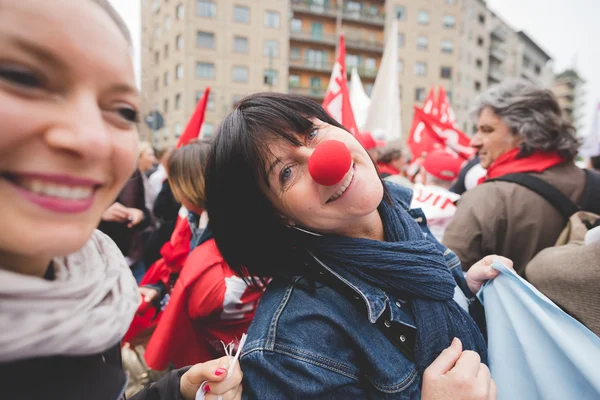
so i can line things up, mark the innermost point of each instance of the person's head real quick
(392, 155)
(163, 155)
(441, 168)
(186, 174)
(258, 184)
(517, 114)
(68, 138)
(146, 159)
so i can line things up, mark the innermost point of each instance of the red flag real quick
(429, 133)
(192, 130)
(337, 97)
(446, 112)
(431, 105)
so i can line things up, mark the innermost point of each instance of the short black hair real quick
(250, 233)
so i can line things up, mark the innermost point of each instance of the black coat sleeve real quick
(167, 388)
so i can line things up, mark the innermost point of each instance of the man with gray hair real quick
(520, 129)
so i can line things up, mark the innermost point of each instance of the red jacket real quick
(208, 304)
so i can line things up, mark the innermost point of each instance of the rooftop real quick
(523, 36)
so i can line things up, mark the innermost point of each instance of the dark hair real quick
(249, 232)
(114, 15)
(595, 161)
(390, 154)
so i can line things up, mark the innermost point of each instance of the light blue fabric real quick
(535, 350)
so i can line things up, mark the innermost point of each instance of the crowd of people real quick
(352, 268)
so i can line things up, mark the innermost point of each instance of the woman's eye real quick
(285, 175)
(313, 134)
(21, 78)
(129, 114)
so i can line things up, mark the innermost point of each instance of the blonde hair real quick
(185, 169)
(143, 147)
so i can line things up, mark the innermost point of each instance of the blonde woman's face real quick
(68, 140)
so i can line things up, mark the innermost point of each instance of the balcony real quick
(314, 7)
(359, 42)
(363, 71)
(314, 37)
(316, 92)
(496, 74)
(497, 53)
(365, 16)
(311, 65)
(500, 34)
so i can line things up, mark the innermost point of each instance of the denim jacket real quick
(333, 343)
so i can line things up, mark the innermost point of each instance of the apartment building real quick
(569, 89)
(239, 47)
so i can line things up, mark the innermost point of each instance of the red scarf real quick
(508, 163)
(387, 169)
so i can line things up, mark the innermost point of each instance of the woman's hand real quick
(482, 271)
(117, 212)
(215, 372)
(148, 294)
(458, 374)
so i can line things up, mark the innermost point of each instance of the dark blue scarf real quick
(407, 265)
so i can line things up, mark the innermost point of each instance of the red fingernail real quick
(220, 371)
(207, 388)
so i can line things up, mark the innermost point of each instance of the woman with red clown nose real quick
(364, 302)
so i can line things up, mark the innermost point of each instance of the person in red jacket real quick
(210, 305)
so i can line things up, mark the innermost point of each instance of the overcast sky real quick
(569, 31)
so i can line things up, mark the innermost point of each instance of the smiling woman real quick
(68, 143)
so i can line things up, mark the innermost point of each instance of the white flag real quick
(359, 99)
(383, 120)
(591, 146)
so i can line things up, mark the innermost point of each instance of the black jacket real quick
(93, 377)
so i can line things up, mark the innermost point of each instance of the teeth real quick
(56, 190)
(344, 186)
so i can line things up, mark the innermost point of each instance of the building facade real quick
(238, 47)
(569, 90)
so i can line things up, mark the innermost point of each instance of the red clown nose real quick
(330, 162)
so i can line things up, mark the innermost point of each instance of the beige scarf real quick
(85, 310)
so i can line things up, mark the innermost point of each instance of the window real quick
(296, 25)
(477, 86)
(422, 43)
(167, 22)
(479, 63)
(166, 51)
(538, 69)
(241, 14)
(447, 47)
(526, 62)
(166, 78)
(240, 44)
(370, 64)
(446, 72)
(369, 89)
(315, 82)
(317, 58)
(481, 19)
(270, 77)
(156, 84)
(166, 106)
(294, 80)
(352, 60)
(400, 66)
(401, 40)
(272, 19)
(295, 53)
(423, 17)
(449, 21)
(206, 8)
(178, 129)
(179, 42)
(178, 101)
(205, 40)
(419, 94)
(210, 104)
(179, 10)
(157, 32)
(420, 68)
(205, 70)
(316, 30)
(179, 72)
(480, 41)
(400, 13)
(240, 74)
(450, 2)
(156, 57)
(271, 48)
(207, 130)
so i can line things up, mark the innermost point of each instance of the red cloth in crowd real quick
(508, 163)
(443, 164)
(387, 169)
(208, 304)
